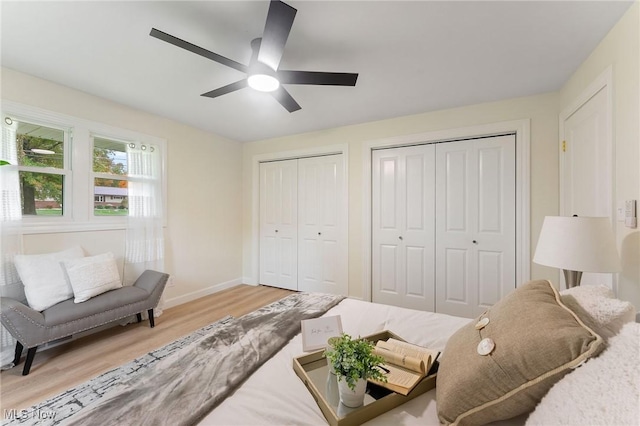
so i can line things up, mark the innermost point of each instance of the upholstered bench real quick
(32, 328)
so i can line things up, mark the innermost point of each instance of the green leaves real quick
(4, 163)
(353, 359)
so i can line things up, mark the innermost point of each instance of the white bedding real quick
(274, 395)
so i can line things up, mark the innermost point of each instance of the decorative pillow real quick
(502, 364)
(91, 276)
(604, 391)
(598, 308)
(43, 276)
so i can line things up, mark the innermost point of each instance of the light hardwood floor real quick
(63, 367)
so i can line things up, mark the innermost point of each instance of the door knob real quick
(475, 242)
(319, 233)
(276, 230)
(400, 237)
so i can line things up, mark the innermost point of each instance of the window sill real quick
(65, 227)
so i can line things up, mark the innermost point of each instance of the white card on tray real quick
(316, 332)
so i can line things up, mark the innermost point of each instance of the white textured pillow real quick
(604, 391)
(43, 276)
(91, 276)
(607, 314)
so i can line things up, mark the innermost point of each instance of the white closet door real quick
(403, 227)
(475, 224)
(322, 225)
(278, 224)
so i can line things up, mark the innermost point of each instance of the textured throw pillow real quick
(44, 279)
(604, 391)
(501, 365)
(91, 276)
(598, 308)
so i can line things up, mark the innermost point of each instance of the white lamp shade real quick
(584, 244)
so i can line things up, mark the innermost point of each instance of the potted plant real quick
(354, 361)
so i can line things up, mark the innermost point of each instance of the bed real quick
(273, 395)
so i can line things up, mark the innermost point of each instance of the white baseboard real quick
(175, 301)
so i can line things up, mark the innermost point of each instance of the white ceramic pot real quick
(352, 398)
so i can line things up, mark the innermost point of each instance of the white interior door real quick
(278, 224)
(322, 225)
(403, 227)
(586, 185)
(475, 224)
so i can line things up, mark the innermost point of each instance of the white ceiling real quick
(412, 57)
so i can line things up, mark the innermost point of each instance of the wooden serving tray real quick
(323, 386)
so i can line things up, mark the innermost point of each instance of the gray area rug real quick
(59, 408)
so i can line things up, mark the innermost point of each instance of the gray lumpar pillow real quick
(502, 364)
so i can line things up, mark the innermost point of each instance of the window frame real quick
(78, 193)
(66, 171)
(101, 175)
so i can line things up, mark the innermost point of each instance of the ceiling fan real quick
(263, 71)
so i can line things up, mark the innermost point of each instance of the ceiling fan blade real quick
(285, 99)
(276, 31)
(226, 89)
(318, 78)
(197, 50)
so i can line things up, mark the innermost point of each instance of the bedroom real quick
(210, 242)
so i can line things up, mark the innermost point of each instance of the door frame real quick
(343, 149)
(603, 82)
(521, 128)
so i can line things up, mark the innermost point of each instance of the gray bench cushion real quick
(69, 311)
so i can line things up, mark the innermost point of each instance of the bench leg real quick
(27, 364)
(16, 358)
(139, 316)
(151, 322)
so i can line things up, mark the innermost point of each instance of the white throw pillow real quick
(607, 314)
(91, 276)
(45, 283)
(603, 391)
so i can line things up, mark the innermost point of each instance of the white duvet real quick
(274, 395)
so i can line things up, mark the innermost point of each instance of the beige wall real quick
(203, 234)
(620, 49)
(542, 110)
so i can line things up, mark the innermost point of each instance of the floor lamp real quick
(577, 245)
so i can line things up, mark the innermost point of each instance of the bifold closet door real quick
(322, 227)
(403, 227)
(278, 224)
(475, 224)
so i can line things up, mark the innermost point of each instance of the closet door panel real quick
(455, 285)
(415, 273)
(387, 227)
(278, 224)
(387, 270)
(475, 198)
(497, 219)
(402, 220)
(490, 190)
(323, 265)
(455, 263)
(490, 277)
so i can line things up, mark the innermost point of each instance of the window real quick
(110, 177)
(67, 173)
(41, 165)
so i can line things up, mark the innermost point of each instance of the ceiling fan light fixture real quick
(263, 82)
